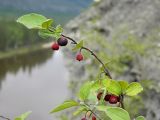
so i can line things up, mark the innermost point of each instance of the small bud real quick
(99, 95)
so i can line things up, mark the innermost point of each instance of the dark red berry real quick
(62, 41)
(79, 57)
(107, 97)
(55, 46)
(113, 99)
(84, 118)
(93, 117)
(99, 95)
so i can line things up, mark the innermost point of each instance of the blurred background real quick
(32, 77)
(125, 33)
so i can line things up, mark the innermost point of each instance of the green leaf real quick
(80, 110)
(32, 20)
(123, 85)
(78, 45)
(44, 33)
(47, 23)
(85, 91)
(65, 105)
(57, 32)
(113, 87)
(105, 81)
(133, 89)
(23, 116)
(96, 85)
(115, 113)
(140, 118)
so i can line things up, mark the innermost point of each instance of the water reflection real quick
(36, 82)
(25, 62)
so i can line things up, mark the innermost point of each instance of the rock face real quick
(140, 15)
(140, 18)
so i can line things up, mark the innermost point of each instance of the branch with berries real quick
(63, 40)
(103, 95)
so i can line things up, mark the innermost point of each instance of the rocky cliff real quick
(128, 33)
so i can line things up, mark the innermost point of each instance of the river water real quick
(34, 82)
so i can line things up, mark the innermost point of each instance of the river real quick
(34, 82)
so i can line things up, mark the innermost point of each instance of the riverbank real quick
(24, 50)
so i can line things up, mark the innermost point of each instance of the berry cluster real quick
(112, 99)
(62, 41)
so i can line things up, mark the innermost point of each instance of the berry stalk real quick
(92, 112)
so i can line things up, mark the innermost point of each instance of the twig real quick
(5, 118)
(92, 53)
(121, 101)
(92, 112)
(100, 61)
(73, 41)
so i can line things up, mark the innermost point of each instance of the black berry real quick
(62, 41)
(107, 97)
